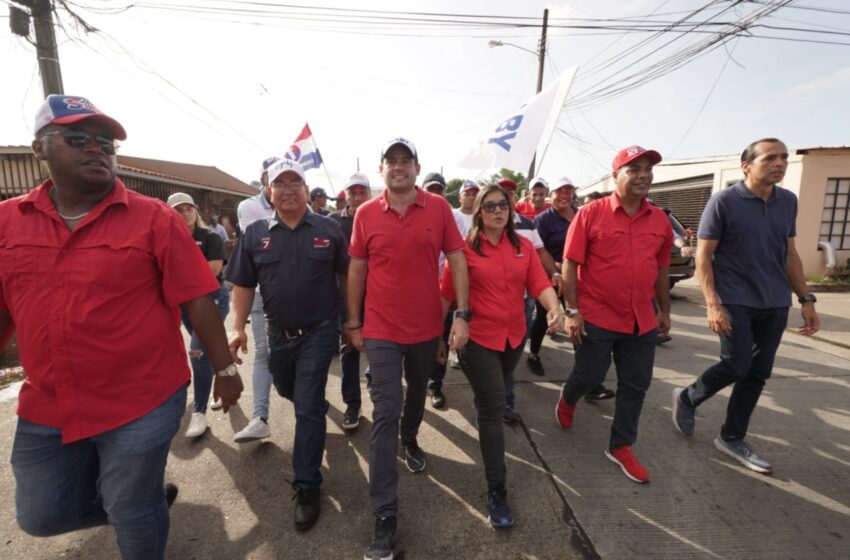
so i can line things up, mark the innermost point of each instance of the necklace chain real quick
(63, 216)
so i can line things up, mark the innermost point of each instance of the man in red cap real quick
(91, 275)
(615, 271)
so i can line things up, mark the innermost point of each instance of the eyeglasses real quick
(490, 207)
(78, 139)
(288, 186)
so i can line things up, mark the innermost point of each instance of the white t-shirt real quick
(463, 221)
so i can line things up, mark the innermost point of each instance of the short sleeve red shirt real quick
(618, 259)
(526, 208)
(96, 308)
(498, 280)
(402, 254)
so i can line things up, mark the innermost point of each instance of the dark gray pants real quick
(634, 356)
(488, 371)
(387, 360)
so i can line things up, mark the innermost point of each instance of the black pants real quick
(488, 371)
(634, 356)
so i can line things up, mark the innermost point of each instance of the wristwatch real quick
(229, 371)
(571, 311)
(807, 298)
(464, 314)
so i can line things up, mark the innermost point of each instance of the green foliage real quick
(517, 177)
(453, 192)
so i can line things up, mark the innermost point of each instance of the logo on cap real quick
(634, 150)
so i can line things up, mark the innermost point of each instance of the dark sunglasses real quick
(490, 207)
(78, 139)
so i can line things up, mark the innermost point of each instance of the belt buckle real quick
(298, 332)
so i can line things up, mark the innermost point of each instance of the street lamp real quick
(540, 54)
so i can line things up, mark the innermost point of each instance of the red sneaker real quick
(627, 461)
(564, 413)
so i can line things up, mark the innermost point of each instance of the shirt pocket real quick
(266, 266)
(114, 267)
(22, 264)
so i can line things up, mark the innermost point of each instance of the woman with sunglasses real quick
(502, 266)
(212, 247)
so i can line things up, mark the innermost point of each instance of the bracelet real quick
(556, 274)
(355, 327)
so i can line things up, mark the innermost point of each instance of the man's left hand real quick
(811, 321)
(663, 323)
(459, 334)
(228, 389)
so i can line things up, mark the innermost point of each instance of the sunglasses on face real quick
(490, 207)
(78, 139)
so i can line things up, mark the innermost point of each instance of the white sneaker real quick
(256, 429)
(216, 404)
(197, 425)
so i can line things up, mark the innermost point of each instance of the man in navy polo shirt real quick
(747, 265)
(296, 257)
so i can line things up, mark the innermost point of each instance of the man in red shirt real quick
(536, 204)
(398, 236)
(618, 299)
(91, 275)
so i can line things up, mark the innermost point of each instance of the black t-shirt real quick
(210, 244)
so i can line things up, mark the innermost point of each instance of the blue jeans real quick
(261, 379)
(202, 370)
(299, 368)
(349, 365)
(115, 477)
(746, 360)
(634, 356)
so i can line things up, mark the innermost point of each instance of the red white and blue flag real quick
(305, 151)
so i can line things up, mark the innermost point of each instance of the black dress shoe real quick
(306, 508)
(599, 393)
(170, 493)
(535, 366)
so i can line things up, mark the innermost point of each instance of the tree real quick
(453, 192)
(516, 176)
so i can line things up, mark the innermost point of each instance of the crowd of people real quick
(94, 278)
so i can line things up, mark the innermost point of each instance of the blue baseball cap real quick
(69, 109)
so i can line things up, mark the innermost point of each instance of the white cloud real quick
(838, 78)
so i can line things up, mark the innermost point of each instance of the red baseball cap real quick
(507, 184)
(631, 153)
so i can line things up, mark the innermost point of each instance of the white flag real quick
(514, 141)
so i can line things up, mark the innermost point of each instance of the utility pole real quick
(45, 44)
(541, 54)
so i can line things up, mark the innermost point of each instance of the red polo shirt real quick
(618, 257)
(402, 252)
(526, 208)
(497, 284)
(95, 308)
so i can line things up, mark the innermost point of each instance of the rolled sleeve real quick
(452, 240)
(185, 273)
(575, 248)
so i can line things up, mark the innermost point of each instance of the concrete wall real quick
(818, 167)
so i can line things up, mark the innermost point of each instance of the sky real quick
(220, 86)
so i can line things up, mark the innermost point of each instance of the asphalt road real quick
(569, 501)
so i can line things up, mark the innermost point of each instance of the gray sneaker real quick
(744, 454)
(684, 416)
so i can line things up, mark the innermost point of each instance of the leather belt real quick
(291, 334)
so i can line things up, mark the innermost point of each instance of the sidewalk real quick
(570, 502)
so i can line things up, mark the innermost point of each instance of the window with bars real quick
(835, 221)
